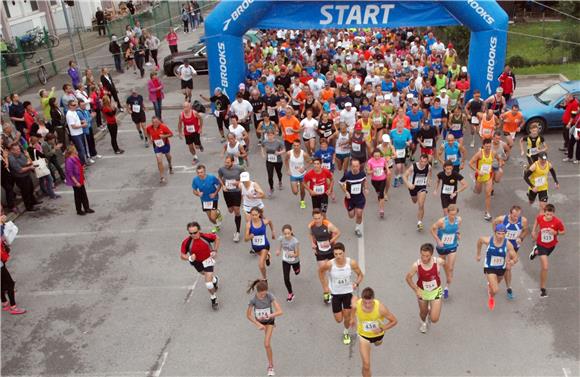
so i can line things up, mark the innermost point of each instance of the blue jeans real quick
(118, 66)
(46, 185)
(79, 142)
(157, 108)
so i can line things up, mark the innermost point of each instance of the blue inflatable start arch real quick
(230, 20)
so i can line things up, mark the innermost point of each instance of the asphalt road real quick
(107, 294)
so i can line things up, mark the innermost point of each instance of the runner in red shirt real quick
(318, 181)
(159, 135)
(546, 229)
(200, 249)
(190, 124)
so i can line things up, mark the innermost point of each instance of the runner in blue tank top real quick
(446, 234)
(517, 229)
(453, 151)
(499, 256)
(256, 232)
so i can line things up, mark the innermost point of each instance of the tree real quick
(459, 36)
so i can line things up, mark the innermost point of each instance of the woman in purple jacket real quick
(73, 72)
(75, 177)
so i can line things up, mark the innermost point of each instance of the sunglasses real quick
(194, 233)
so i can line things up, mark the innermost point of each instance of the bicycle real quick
(42, 73)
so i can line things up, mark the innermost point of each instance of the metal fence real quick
(21, 61)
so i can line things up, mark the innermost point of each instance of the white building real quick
(20, 16)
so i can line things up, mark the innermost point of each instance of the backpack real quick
(197, 106)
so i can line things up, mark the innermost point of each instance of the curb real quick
(541, 76)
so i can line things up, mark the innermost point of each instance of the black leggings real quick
(270, 168)
(571, 142)
(113, 129)
(221, 122)
(7, 287)
(154, 56)
(286, 267)
(81, 198)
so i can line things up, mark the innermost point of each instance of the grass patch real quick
(537, 49)
(571, 71)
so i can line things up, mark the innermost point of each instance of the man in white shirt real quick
(444, 98)
(186, 73)
(348, 116)
(316, 85)
(243, 110)
(75, 127)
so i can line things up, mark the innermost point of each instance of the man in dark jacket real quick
(100, 17)
(109, 86)
(115, 50)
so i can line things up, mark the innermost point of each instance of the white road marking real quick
(566, 371)
(361, 250)
(127, 155)
(552, 289)
(97, 291)
(157, 372)
(192, 288)
(123, 189)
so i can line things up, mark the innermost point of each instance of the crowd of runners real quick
(336, 115)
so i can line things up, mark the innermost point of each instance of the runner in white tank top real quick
(252, 194)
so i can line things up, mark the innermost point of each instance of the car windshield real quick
(551, 94)
(196, 48)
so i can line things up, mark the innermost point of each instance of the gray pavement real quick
(108, 296)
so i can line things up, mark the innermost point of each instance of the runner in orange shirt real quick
(290, 126)
(512, 122)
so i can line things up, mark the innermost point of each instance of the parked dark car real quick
(196, 55)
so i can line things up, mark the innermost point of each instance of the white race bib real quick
(323, 245)
(318, 189)
(159, 143)
(287, 257)
(437, 122)
(216, 113)
(136, 108)
(370, 326)
(207, 205)
(271, 157)
(485, 168)
(356, 147)
(512, 234)
(448, 239)
(427, 100)
(341, 282)
(377, 172)
(448, 189)
(429, 285)
(428, 142)
(452, 157)
(540, 181)
(400, 153)
(420, 181)
(271, 112)
(262, 313)
(496, 261)
(326, 165)
(190, 129)
(230, 184)
(414, 125)
(455, 126)
(209, 262)
(546, 236)
(486, 131)
(474, 120)
(356, 188)
(533, 151)
(259, 240)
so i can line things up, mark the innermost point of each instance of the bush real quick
(517, 61)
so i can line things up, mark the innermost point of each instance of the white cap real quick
(464, 69)
(386, 138)
(499, 89)
(405, 64)
(387, 97)
(348, 104)
(443, 90)
(357, 88)
(380, 98)
(242, 86)
(245, 177)
(126, 39)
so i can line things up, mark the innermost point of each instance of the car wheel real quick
(175, 70)
(540, 122)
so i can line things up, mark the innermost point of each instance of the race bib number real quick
(208, 205)
(289, 131)
(272, 157)
(400, 153)
(448, 239)
(216, 113)
(533, 151)
(427, 100)
(474, 120)
(429, 285)
(452, 157)
(414, 125)
(356, 147)
(377, 172)
(258, 116)
(485, 168)
(356, 189)
(341, 282)
(453, 102)
(496, 261)
(546, 236)
(159, 143)
(428, 142)
(259, 240)
(455, 126)
(271, 112)
(190, 129)
(486, 131)
(437, 122)
(326, 165)
(448, 189)
(512, 234)
(420, 181)
(318, 189)
(370, 326)
(287, 257)
(209, 262)
(136, 108)
(327, 133)
(540, 181)
(323, 245)
(230, 184)
(262, 314)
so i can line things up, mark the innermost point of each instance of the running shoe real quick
(533, 252)
(194, 161)
(223, 140)
(280, 187)
(290, 297)
(423, 327)
(146, 144)
(6, 306)
(271, 371)
(381, 214)
(297, 271)
(446, 293)
(268, 260)
(563, 149)
(237, 237)
(420, 226)
(358, 232)
(252, 251)
(396, 182)
(170, 169)
(214, 304)
(543, 293)
(435, 162)
(302, 204)
(346, 339)
(566, 159)
(577, 161)
(487, 216)
(15, 310)
(270, 192)
(216, 282)
(510, 294)
(140, 135)
(200, 147)
(490, 302)
(215, 229)
(326, 298)
(219, 216)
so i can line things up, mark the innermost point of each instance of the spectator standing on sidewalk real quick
(68, 95)
(8, 304)
(507, 80)
(35, 152)
(95, 98)
(45, 96)
(84, 113)
(152, 43)
(197, 14)
(74, 73)
(192, 25)
(571, 110)
(16, 112)
(75, 129)
(185, 17)
(7, 179)
(21, 167)
(109, 86)
(115, 50)
(172, 40)
(156, 94)
(57, 121)
(75, 177)
(110, 112)
(51, 150)
(101, 21)
(139, 54)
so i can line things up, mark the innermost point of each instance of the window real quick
(6, 9)
(33, 5)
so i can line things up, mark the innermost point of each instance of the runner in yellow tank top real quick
(481, 163)
(537, 179)
(370, 317)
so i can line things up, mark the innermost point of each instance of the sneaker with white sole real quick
(237, 237)
(271, 371)
(423, 327)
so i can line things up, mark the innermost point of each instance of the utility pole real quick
(70, 35)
